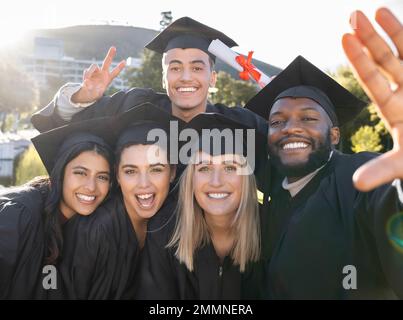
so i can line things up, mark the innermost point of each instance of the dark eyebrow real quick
(151, 165)
(309, 109)
(275, 113)
(175, 61)
(128, 166)
(86, 169)
(158, 164)
(80, 167)
(198, 61)
(303, 109)
(104, 172)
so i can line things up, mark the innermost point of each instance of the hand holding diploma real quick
(243, 65)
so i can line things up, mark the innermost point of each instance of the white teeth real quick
(218, 195)
(145, 196)
(85, 198)
(187, 89)
(295, 145)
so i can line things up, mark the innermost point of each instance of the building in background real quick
(48, 60)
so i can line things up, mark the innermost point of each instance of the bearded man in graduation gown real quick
(324, 238)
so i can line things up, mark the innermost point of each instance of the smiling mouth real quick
(86, 199)
(186, 89)
(295, 146)
(218, 196)
(145, 200)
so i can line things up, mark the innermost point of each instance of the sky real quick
(277, 31)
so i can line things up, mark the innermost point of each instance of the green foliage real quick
(366, 139)
(8, 122)
(232, 92)
(345, 76)
(18, 92)
(149, 74)
(367, 118)
(28, 166)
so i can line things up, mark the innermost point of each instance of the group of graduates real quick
(120, 218)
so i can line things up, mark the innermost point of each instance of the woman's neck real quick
(67, 212)
(139, 224)
(221, 232)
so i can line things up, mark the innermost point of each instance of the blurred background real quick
(45, 44)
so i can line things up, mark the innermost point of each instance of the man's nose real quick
(293, 126)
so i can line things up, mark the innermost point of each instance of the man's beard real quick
(318, 157)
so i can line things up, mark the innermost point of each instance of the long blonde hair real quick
(191, 230)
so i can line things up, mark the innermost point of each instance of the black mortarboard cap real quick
(133, 126)
(187, 33)
(301, 79)
(51, 144)
(205, 123)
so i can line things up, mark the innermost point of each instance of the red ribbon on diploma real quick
(249, 70)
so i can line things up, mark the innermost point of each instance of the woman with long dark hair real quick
(33, 217)
(106, 248)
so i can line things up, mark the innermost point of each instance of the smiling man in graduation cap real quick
(188, 73)
(325, 239)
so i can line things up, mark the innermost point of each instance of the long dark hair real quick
(53, 231)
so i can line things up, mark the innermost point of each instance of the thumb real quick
(379, 171)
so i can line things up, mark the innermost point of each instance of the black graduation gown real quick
(327, 226)
(100, 255)
(162, 276)
(47, 118)
(21, 244)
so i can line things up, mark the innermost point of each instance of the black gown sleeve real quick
(384, 219)
(100, 255)
(158, 272)
(84, 269)
(48, 118)
(21, 248)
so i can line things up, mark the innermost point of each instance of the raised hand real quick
(96, 80)
(380, 72)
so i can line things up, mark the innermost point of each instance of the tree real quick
(149, 74)
(366, 138)
(28, 166)
(18, 92)
(232, 92)
(367, 118)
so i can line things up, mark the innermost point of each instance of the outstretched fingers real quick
(392, 27)
(118, 69)
(108, 59)
(377, 47)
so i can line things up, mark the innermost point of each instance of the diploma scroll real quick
(243, 65)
